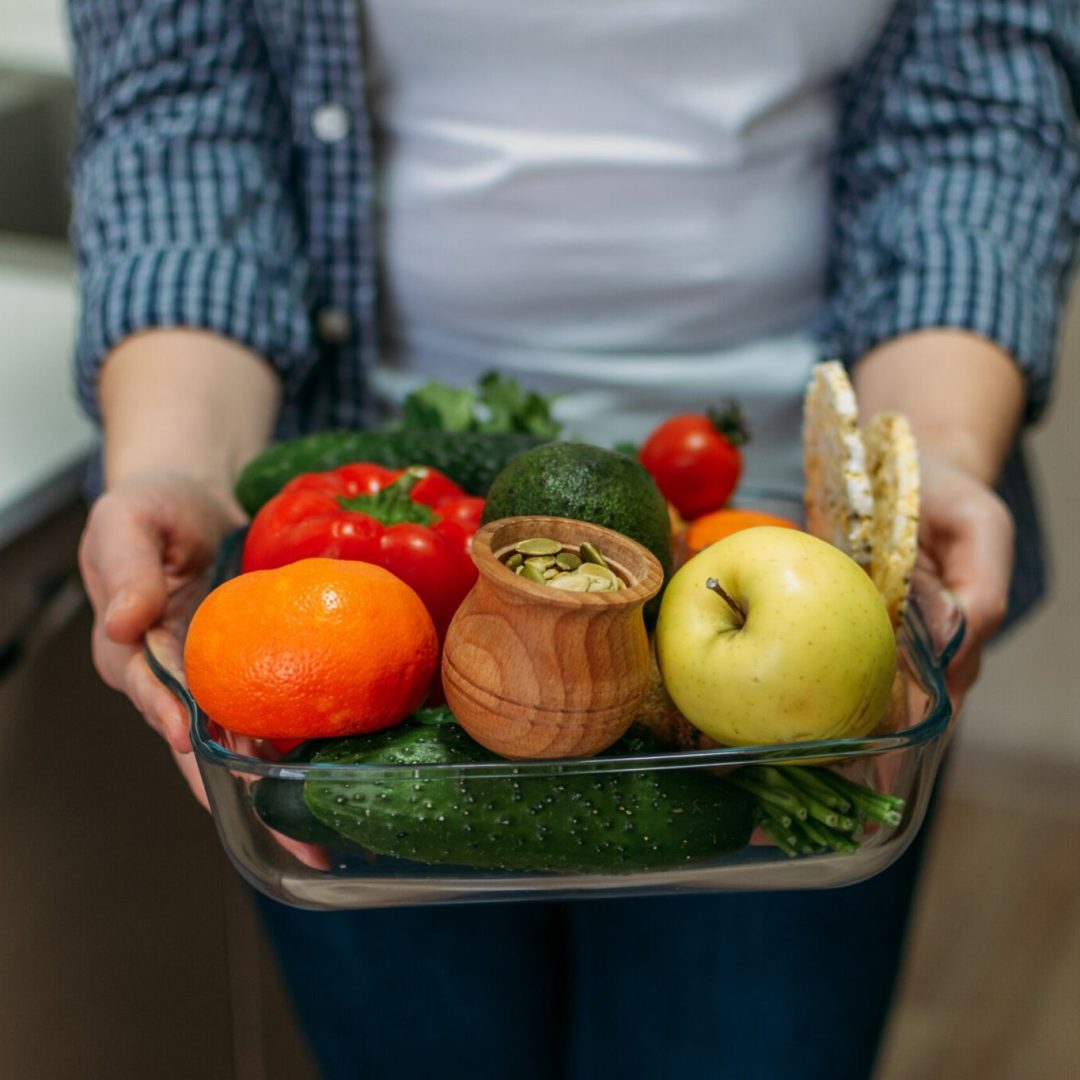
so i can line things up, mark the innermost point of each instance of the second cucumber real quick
(470, 458)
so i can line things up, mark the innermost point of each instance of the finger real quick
(110, 660)
(158, 705)
(124, 668)
(963, 672)
(189, 770)
(122, 555)
(977, 566)
(309, 854)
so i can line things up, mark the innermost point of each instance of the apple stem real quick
(740, 615)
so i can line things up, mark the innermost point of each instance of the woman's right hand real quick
(182, 411)
(145, 553)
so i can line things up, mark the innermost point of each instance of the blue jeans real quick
(752, 986)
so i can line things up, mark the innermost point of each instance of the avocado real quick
(560, 820)
(586, 483)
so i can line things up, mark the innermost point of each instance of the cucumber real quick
(616, 822)
(280, 804)
(470, 458)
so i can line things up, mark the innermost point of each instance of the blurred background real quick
(127, 946)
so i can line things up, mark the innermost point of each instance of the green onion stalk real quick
(807, 810)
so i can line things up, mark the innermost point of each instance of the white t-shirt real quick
(623, 200)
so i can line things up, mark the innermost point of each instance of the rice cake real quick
(893, 463)
(839, 500)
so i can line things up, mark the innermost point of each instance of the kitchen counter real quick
(44, 438)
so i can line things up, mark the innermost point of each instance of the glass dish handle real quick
(940, 621)
(160, 648)
(158, 645)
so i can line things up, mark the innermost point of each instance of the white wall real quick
(33, 35)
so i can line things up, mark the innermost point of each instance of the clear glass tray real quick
(902, 762)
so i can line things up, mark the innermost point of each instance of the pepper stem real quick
(740, 615)
(393, 505)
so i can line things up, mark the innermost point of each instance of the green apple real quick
(771, 635)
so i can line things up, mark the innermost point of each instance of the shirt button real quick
(330, 122)
(333, 326)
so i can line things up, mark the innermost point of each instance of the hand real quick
(968, 533)
(964, 396)
(145, 552)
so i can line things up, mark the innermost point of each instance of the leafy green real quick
(498, 405)
(511, 408)
(436, 407)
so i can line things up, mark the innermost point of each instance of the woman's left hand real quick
(965, 397)
(967, 531)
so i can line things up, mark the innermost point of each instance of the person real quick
(287, 214)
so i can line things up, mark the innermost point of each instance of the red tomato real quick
(695, 459)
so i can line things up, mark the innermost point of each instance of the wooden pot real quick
(536, 672)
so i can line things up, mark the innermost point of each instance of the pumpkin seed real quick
(602, 573)
(590, 554)
(570, 583)
(543, 561)
(538, 545)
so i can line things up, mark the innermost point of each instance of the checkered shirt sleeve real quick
(956, 180)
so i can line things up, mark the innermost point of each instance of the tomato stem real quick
(730, 422)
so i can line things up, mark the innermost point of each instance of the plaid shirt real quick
(224, 178)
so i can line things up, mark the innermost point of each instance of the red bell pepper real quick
(416, 523)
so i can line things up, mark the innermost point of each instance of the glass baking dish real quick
(336, 875)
